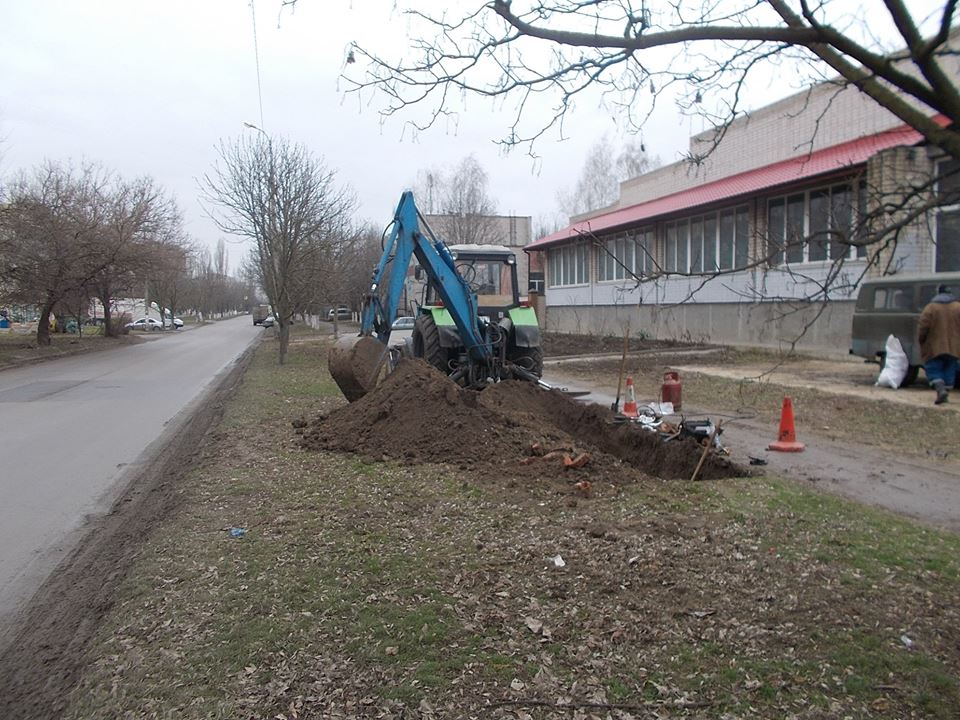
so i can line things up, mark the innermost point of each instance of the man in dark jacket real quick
(939, 334)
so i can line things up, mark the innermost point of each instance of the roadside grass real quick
(387, 590)
(18, 346)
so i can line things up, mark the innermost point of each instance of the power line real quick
(256, 57)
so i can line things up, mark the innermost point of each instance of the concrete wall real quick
(815, 327)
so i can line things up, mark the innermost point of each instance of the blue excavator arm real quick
(406, 240)
(355, 362)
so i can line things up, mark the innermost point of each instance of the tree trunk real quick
(284, 340)
(43, 325)
(108, 329)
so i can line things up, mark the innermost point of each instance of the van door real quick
(884, 310)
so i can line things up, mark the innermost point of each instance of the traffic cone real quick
(630, 403)
(787, 439)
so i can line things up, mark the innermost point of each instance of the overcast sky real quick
(149, 87)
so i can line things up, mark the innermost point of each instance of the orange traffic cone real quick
(630, 403)
(787, 439)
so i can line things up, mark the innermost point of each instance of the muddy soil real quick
(558, 344)
(513, 431)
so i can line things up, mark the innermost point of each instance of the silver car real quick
(401, 329)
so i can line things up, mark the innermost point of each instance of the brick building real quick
(760, 207)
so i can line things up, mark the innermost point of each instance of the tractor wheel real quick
(426, 343)
(529, 358)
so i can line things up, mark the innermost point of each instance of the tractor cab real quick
(491, 273)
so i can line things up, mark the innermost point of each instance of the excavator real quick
(471, 324)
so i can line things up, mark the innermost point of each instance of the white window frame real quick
(691, 232)
(645, 250)
(568, 265)
(616, 258)
(856, 190)
(626, 255)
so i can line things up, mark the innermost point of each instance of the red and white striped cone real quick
(630, 403)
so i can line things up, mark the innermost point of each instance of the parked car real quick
(268, 321)
(341, 313)
(177, 323)
(891, 305)
(260, 313)
(145, 323)
(401, 329)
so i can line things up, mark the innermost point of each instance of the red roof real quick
(829, 160)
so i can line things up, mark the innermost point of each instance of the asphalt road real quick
(74, 432)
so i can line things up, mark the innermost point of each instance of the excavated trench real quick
(417, 415)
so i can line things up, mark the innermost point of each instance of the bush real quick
(120, 323)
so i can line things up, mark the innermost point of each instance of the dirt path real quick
(837, 378)
(925, 490)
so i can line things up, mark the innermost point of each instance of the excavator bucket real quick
(355, 363)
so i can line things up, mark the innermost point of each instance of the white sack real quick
(895, 365)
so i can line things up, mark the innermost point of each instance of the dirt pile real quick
(417, 415)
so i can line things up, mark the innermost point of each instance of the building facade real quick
(765, 239)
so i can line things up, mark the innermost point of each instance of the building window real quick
(615, 258)
(707, 243)
(670, 249)
(948, 219)
(625, 256)
(535, 282)
(568, 265)
(645, 241)
(816, 226)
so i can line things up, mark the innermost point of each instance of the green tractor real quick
(491, 273)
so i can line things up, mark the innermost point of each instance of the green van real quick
(891, 305)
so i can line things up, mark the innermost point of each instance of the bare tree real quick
(286, 201)
(428, 189)
(563, 48)
(207, 287)
(170, 255)
(603, 170)
(459, 199)
(633, 160)
(351, 259)
(50, 240)
(137, 215)
(598, 185)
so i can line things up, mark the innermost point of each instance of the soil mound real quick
(418, 415)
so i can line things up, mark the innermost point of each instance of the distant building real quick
(135, 308)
